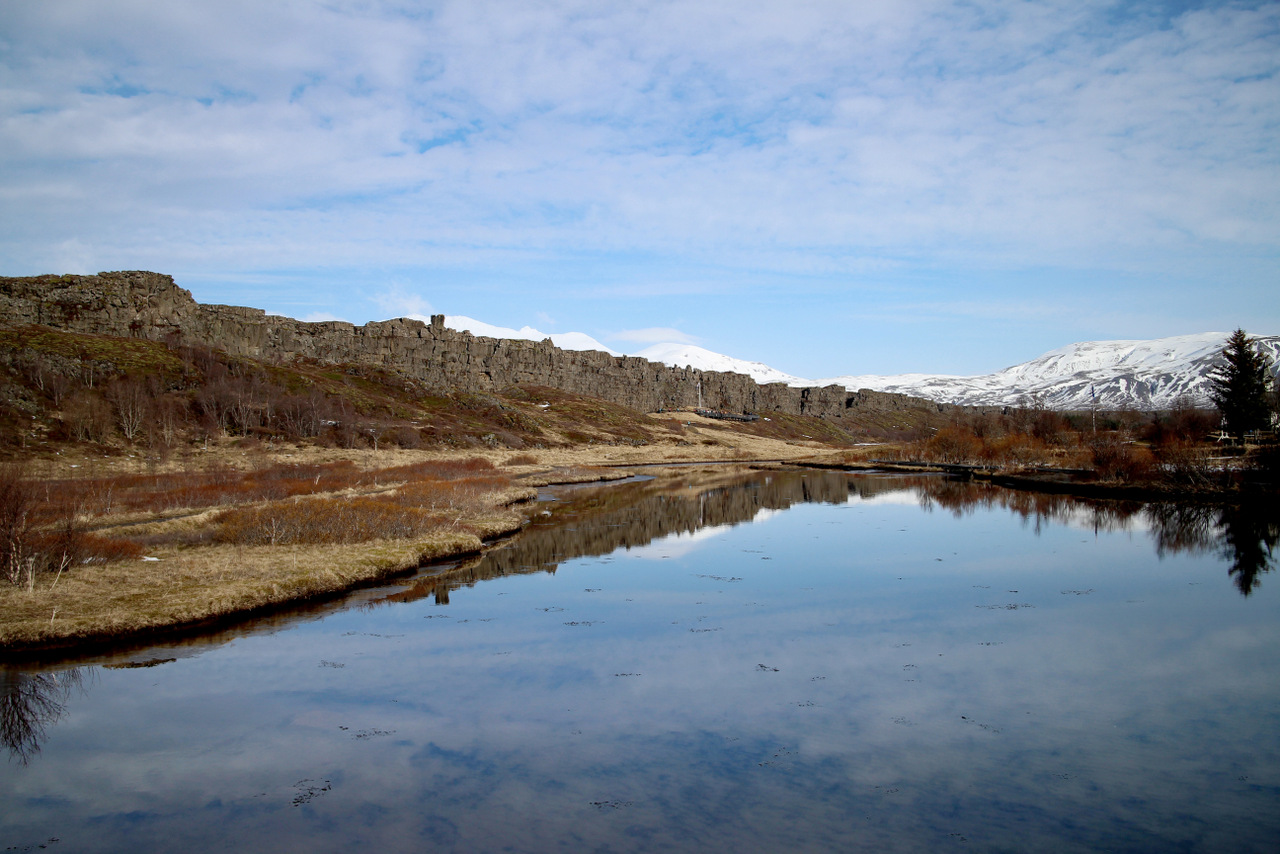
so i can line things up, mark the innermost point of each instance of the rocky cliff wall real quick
(150, 305)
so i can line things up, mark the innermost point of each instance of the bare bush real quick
(132, 404)
(170, 416)
(17, 506)
(408, 438)
(1015, 450)
(1116, 459)
(953, 444)
(523, 460)
(1188, 464)
(327, 520)
(302, 416)
(86, 417)
(38, 533)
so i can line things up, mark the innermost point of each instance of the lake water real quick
(785, 661)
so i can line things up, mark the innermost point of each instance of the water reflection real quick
(30, 703)
(1245, 535)
(853, 674)
(602, 520)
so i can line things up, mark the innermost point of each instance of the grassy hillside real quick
(60, 389)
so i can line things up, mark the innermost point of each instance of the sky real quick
(827, 187)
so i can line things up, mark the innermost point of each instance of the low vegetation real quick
(159, 398)
(1176, 450)
(96, 557)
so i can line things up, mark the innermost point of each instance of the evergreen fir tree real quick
(1239, 386)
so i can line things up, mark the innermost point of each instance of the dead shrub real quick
(1188, 464)
(434, 496)
(17, 506)
(953, 444)
(1014, 450)
(407, 438)
(523, 460)
(326, 520)
(1116, 459)
(39, 535)
(471, 466)
(86, 417)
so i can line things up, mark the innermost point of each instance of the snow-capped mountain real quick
(1116, 374)
(1138, 374)
(1150, 374)
(682, 355)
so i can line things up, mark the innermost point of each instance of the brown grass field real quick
(191, 543)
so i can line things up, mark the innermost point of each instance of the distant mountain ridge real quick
(1149, 374)
(1145, 374)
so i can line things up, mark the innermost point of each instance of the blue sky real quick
(827, 187)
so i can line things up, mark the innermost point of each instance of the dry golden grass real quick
(462, 499)
(194, 585)
(246, 554)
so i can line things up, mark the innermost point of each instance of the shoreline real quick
(182, 594)
(1058, 482)
(182, 590)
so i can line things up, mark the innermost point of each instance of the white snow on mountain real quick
(688, 355)
(1115, 374)
(1152, 374)
(563, 340)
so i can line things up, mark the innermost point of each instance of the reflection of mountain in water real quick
(602, 520)
(1244, 534)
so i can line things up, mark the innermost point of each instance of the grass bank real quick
(96, 558)
(111, 549)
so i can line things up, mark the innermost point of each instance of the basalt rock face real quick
(150, 305)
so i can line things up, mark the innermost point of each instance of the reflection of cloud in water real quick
(682, 543)
(1127, 700)
(678, 544)
(904, 498)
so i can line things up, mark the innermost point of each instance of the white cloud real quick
(825, 142)
(654, 335)
(604, 126)
(399, 302)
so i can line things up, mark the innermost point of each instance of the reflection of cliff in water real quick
(1244, 534)
(601, 520)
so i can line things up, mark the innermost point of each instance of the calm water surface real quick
(800, 662)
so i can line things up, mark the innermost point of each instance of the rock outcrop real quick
(151, 305)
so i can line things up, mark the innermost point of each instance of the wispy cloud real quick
(654, 335)
(687, 148)
(399, 302)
